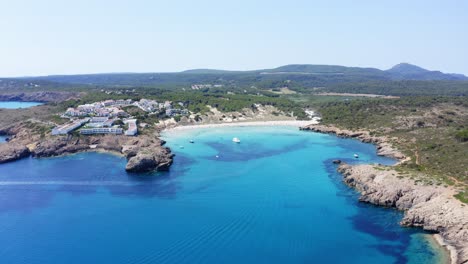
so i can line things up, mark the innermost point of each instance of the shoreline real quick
(296, 123)
(450, 251)
(384, 148)
(360, 182)
(432, 208)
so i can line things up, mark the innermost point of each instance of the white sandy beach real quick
(295, 123)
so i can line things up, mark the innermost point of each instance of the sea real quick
(275, 197)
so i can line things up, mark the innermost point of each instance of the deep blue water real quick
(16, 105)
(274, 198)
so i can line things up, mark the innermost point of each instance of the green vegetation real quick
(377, 113)
(430, 130)
(462, 135)
(462, 196)
(197, 101)
(402, 88)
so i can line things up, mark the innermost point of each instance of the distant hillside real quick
(208, 71)
(402, 71)
(406, 71)
(323, 69)
(299, 77)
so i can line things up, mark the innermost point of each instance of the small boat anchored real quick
(236, 140)
(356, 155)
(191, 141)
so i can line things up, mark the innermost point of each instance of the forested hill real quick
(306, 74)
(402, 79)
(406, 71)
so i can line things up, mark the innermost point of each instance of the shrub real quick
(462, 135)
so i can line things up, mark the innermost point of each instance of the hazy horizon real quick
(149, 72)
(86, 37)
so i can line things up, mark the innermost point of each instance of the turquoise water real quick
(274, 198)
(16, 105)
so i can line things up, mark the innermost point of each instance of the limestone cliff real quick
(431, 207)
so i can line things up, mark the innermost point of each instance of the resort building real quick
(108, 123)
(148, 105)
(108, 103)
(66, 128)
(98, 122)
(101, 130)
(173, 112)
(73, 112)
(123, 102)
(132, 127)
(97, 119)
(102, 116)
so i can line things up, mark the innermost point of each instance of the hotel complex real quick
(102, 130)
(100, 117)
(66, 128)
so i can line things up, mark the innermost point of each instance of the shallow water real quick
(16, 105)
(274, 198)
(3, 139)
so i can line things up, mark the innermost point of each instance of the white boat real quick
(181, 147)
(356, 156)
(236, 140)
(191, 141)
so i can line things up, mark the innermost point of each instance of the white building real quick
(66, 128)
(132, 127)
(101, 130)
(98, 119)
(74, 112)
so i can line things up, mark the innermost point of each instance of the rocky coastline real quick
(144, 153)
(384, 148)
(432, 208)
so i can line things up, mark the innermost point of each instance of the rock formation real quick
(159, 159)
(430, 207)
(12, 151)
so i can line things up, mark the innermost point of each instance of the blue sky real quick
(71, 37)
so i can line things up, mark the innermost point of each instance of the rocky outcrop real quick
(159, 159)
(384, 148)
(430, 207)
(56, 147)
(12, 151)
(144, 155)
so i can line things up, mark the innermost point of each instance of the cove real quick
(273, 198)
(17, 105)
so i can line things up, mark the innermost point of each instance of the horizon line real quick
(207, 68)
